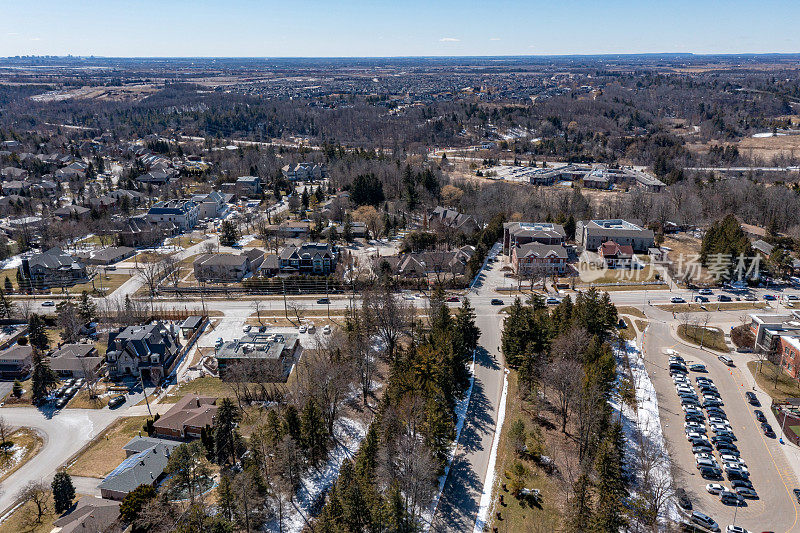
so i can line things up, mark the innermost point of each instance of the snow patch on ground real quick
(348, 434)
(643, 423)
(488, 485)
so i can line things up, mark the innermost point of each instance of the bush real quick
(742, 337)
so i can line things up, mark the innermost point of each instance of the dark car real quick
(797, 494)
(746, 492)
(723, 298)
(61, 402)
(116, 401)
(453, 299)
(497, 301)
(769, 297)
(760, 416)
(683, 499)
(700, 299)
(701, 448)
(751, 397)
(768, 431)
(741, 483)
(324, 301)
(709, 472)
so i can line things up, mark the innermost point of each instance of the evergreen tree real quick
(347, 230)
(226, 437)
(313, 434)
(16, 390)
(43, 378)
(226, 497)
(8, 286)
(87, 310)
(611, 486)
(63, 491)
(37, 334)
(134, 501)
(304, 199)
(229, 233)
(291, 423)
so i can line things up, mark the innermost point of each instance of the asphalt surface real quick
(458, 506)
(771, 475)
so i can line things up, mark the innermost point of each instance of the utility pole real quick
(285, 305)
(146, 401)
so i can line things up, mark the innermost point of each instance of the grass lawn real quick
(11, 401)
(519, 515)
(30, 441)
(82, 401)
(641, 324)
(205, 386)
(712, 337)
(628, 333)
(628, 310)
(712, 306)
(627, 275)
(105, 451)
(22, 520)
(785, 387)
(109, 282)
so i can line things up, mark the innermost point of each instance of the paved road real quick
(771, 474)
(458, 507)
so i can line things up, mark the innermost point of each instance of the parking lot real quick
(770, 474)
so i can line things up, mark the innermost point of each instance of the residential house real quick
(147, 458)
(147, 351)
(309, 258)
(91, 515)
(291, 229)
(182, 213)
(763, 247)
(267, 356)
(16, 361)
(139, 231)
(452, 262)
(14, 173)
(616, 255)
(76, 361)
(211, 205)
(53, 268)
(443, 217)
(270, 266)
(103, 203)
(134, 198)
(72, 212)
(533, 258)
(248, 186)
(519, 233)
(187, 418)
(304, 172)
(226, 267)
(592, 233)
(159, 176)
(106, 256)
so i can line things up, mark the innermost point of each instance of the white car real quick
(731, 459)
(694, 435)
(736, 529)
(714, 488)
(326, 330)
(303, 328)
(311, 328)
(246, 328)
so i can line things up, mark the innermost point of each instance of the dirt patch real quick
(774, 381)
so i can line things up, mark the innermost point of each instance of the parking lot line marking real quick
(772, 458)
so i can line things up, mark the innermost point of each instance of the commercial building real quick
(590, 234)
(182, 213)
(536, 259)
(519, 233)
(266, 356)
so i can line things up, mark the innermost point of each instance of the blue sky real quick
(395, 28)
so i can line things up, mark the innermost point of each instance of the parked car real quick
(723, 298)
(770, 297)
(768, 431)
(700, 299)
(496, 301)
(749, 298)
(246, 328)
(730, 498)
(116, 401)
(736, 529)
(797, 494)
(326, 330)
(760, 416)
(683, 499)
(61, 402)
(48, 303)
(552, 301)
(453, 299)
(677, 300)
(752, 399)
(714, 488)
(704, 520)
(705, 292)
(324, 301)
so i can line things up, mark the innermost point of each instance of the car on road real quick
(752, 399)
(714, 488)
(704, 520)
(697, 367)
(246, 328)
(736, 529)
(453, 299)
(48, 303)
(700, 299)
(723, 298)
(496, 301)
(324, 301)
(760, 416)
(705, 292)
(116, 401)
(749, 298)
(797, 494)
(683, 499)
(770, 297)
(677, 300)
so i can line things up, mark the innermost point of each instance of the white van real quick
(726, 359)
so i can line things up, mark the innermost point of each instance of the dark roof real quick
(91, 515)
(192, 322)
(143, 468)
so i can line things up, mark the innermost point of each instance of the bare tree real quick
(171, 270)
(5, 438)
(561, 377)
(151, 273)
(37, 493)
(297, 309)
(388, 316)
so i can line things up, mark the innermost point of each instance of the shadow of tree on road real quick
(458, 507)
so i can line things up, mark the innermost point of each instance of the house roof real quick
(143, 468)
(612, 249)
(535, 249)
(191, 410)
(74, 350)
(89, 516)
(16, 353)
(192, 322)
